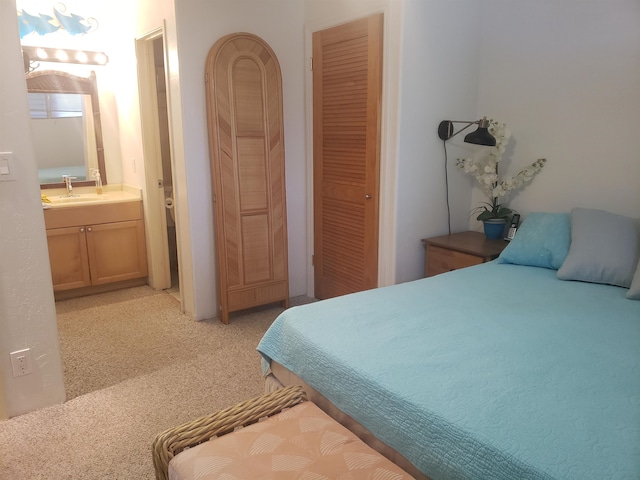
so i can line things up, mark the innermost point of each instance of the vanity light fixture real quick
(61, 55)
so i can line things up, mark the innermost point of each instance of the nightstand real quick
(459, 250)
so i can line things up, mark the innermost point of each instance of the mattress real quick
(495, 371)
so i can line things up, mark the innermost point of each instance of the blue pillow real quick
(604, 248)
(542, 241)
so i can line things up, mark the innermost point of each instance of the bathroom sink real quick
(77, 198)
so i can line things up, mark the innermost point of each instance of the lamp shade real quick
(481, 137)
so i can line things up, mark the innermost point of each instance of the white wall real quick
(106, 38)
(27, 309)
(439, 77)
(123, 80)
(198, 26)
(565, 76)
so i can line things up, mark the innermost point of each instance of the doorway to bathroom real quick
(164, 271)
(167, 173)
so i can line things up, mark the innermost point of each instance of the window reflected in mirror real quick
(64, 137)
(65, 122)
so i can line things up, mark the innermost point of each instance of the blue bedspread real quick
(491, 372)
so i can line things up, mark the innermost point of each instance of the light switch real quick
(7, 167)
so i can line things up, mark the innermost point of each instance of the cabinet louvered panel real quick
(247, 82)
(252, 174)
(246, 139)
(347, 86)
(255, 247)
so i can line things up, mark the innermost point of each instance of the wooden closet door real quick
(347, 90)
(246, 140)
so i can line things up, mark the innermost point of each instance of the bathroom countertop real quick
(88, 196)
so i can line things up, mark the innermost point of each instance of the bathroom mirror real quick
(66, 125)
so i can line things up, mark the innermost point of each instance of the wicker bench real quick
(278, 435)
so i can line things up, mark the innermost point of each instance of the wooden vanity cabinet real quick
(68, 258)
(94, 245)
(116, 251)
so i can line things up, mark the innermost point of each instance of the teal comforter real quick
(491, 372)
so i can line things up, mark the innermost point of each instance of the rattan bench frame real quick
(171, 442)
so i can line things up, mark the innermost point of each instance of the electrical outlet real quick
(21, 362)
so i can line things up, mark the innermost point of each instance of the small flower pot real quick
(494, 228)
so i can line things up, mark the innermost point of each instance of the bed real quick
(524, 367)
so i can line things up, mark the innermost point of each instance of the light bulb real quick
(62, 55)
(100, 58)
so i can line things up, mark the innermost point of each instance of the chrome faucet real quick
(67, 183)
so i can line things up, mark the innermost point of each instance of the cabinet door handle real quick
(88, 229)
(367, 196)
(82, 230)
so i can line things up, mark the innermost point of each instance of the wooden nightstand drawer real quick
(459, 250)
(440, 260)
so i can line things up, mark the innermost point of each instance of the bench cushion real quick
(302, 443)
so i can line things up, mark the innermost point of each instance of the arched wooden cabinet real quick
(246, 142)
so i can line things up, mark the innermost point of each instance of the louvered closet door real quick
(246, 141)
(347, 84)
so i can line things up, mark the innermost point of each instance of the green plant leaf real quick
(497, 211)
(503, 212)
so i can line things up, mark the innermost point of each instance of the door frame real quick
(155, 210)
(391, 50)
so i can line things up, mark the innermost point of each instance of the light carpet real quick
(146, 367)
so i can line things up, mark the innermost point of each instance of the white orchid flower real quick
(485, 171)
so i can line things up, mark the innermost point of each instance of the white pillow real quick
(604, 248)
(634, 291)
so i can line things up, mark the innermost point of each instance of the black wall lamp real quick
(480, 137)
